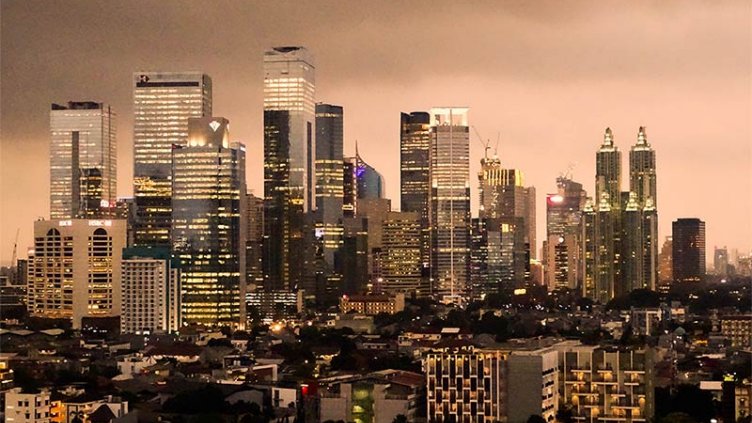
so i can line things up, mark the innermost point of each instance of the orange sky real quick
(549, 76)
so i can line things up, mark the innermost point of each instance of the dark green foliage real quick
(686, 399)
(536, 418)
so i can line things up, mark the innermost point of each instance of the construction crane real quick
(486, 144)
(13, 259)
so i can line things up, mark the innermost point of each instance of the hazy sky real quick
(548, 76)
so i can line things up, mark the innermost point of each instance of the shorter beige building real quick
(21, 407)
(372, 305)
(738, 329)
(606, 383)
(74, 269)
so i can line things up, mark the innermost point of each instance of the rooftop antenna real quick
(496, 147)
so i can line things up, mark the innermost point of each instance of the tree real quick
(536, 418)
(678, 418)
(400, 418)
(565, 415)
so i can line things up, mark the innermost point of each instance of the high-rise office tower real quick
(415, 184)
(329, 178)
(150, 291)
(364, 199)
(162, 104)
(254, 217)
(487, 275)
(562, 251)
(353, 258)
(720, 261)
(688, 250)
(83, 160)
(361, 182)
(74, 269)
(289, 86)
(283, 218)
(631, 246)
(606, 251)
(589, 249)
(450, 204)
(602, 233)
(401, 249)
(504, 197)
(289, 162)
(642, 170)
(608, 171)
(208, 233)
(644, 236)
(665, 265)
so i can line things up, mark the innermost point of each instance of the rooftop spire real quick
(641, 137)
(608, 138)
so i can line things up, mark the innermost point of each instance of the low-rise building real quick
(738, 329)
(378, 397)
(27, 407)
(606, 383)
(372, 305)
(465, 384)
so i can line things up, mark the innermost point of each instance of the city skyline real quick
(516, 104)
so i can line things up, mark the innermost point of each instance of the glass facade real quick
(415, 183)
(401, 249)
(688, 246)
(329, 178)
(450, 204)
(83, 160)
(162, 104)
(289, 86)
(208, 234)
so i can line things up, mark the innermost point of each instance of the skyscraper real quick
(642, 170)
(487, 274)
(83, 160)
(361, 182)
(602, 226)
(415, 183)
(208, 234)
(289, 86)
(720, 261)
(688, 250)
(504, 200)
(289, 162)
(329, 178)
(642, 183)
(450, 204)
(562, 251)
(150, 291)
(608, 171)
(74, 269)
(162, 104)
(665, 265)
(401, 249)
(254, 217)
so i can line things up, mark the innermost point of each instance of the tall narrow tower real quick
(642, 182)
(608, 171)
(83, 160)
(450, 203)
(208, 233)
(415, 184)
(162, 104)
(329, 178)
(289, 161)
(289, 85)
